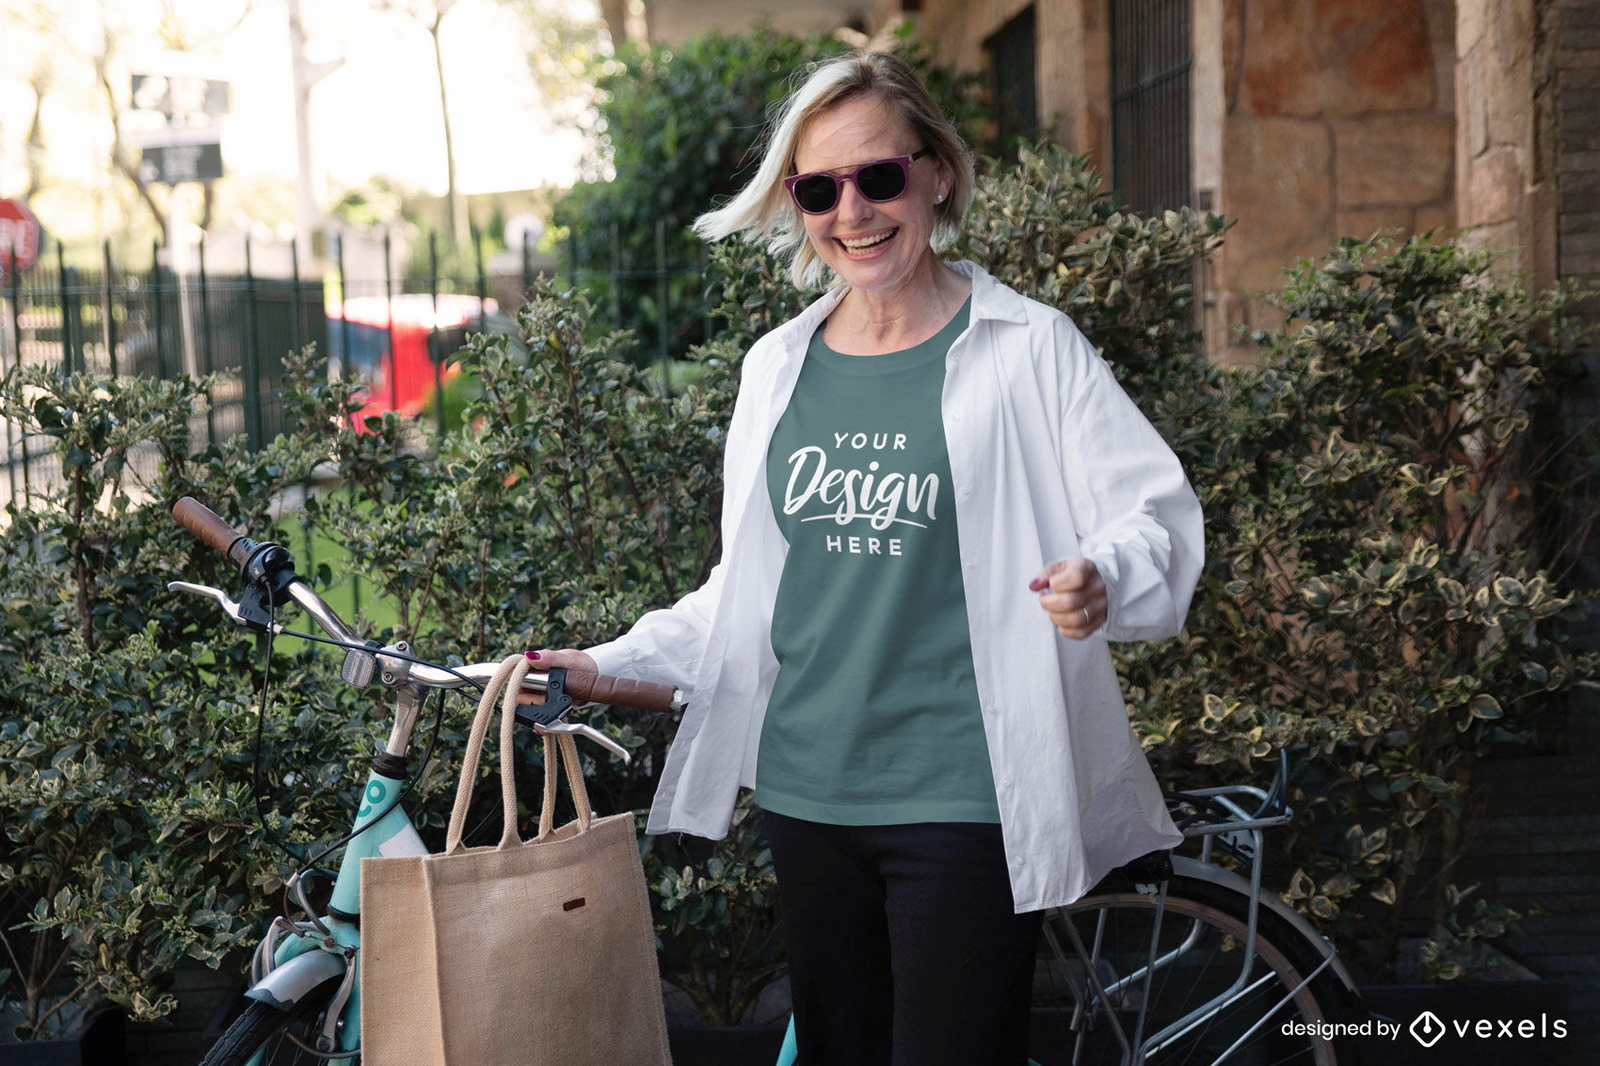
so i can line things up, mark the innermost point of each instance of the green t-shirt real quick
(874, 716)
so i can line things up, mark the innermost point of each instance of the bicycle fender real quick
(1232, 882)
(283, 987)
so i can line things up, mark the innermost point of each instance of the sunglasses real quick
(880, 181)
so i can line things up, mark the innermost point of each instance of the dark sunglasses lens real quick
(816, 194)
(881, 181)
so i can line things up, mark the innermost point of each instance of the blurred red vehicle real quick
(405, 378)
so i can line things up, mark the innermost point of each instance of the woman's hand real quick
(1074, 596)
(566, 658)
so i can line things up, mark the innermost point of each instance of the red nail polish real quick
(532, 654)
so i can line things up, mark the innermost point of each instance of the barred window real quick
(1150, 61)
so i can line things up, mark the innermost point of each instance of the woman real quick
(916, 465)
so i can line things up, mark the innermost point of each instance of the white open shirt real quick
(1049, 460)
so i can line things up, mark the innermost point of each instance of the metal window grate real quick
(1013, 70)
(1150, 139)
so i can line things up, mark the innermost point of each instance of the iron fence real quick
(397, 329)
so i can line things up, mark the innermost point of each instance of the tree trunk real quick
(455, 205)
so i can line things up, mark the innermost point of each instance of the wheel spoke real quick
(1187, 988)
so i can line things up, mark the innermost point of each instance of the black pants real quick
(903, 947)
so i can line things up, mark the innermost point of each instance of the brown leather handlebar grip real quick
(585, 686)
(203, 522)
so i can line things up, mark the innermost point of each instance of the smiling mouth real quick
(866, 244)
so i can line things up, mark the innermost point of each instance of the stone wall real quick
(1073, 60)
(1337, 119)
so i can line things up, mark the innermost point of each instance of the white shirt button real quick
(1005, 782)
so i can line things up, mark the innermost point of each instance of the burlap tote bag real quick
(527, 953)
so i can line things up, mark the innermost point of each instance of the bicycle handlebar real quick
(207, 526)
(588, 687)
(584, 686)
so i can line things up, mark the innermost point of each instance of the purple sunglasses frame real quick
(902, 161)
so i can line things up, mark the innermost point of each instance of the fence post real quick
(477, 260)
(294, 297)
(11, 462)
(433, 331)
(616, 278)
(252, 357)
(344, 296)
(663, 333)
(67, 360)
(705, 304)
(160, 309)
(108, 310)
(16, 339)
(527, 263)
(205, 339)
(388, 317)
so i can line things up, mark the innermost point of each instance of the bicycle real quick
(1117, 979)
(304, 999)
(1174, 959)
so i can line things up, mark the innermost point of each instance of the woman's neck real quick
(872, 322)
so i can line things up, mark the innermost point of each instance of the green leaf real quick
(1485, 707)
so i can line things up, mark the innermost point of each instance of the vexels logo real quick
(1427, 1028)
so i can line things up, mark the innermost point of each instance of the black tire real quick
(1211, 921)
(272, 1033)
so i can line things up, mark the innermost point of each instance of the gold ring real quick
(1086, 619)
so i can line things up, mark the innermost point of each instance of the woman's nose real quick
(852, 205)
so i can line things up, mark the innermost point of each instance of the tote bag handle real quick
(505, 684)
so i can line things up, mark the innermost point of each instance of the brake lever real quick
(588, 733)
(229, 607)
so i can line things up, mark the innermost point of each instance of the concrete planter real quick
(731, 1045)
(98, 1044)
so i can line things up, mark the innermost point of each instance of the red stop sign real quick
(20, 234)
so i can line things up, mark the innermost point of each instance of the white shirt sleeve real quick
(667, 645)
(1139, 521)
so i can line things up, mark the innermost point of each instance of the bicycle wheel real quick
(1199, 955)
(267, 1036)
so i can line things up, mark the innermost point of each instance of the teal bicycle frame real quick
(299, 956)
(304, 955)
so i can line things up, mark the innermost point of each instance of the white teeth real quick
(863, 243)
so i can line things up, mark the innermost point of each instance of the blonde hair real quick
(764, 213)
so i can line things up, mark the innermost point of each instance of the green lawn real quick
(350, 597)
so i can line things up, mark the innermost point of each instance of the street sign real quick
(178, 96)
(169, 164)
(20, 234)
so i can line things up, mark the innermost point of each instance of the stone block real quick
(1335, 57)
(1394, 159)
(1474, 102)
(1577, 186)
(1582, 80)
(1513, 34)
(1574, 162)
(1440, 218)
(1363, 223)
(1581, 245)
(1494, 189)
(1579, 264)
(1576, 222)
(1472, 24)
(1279, 185)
